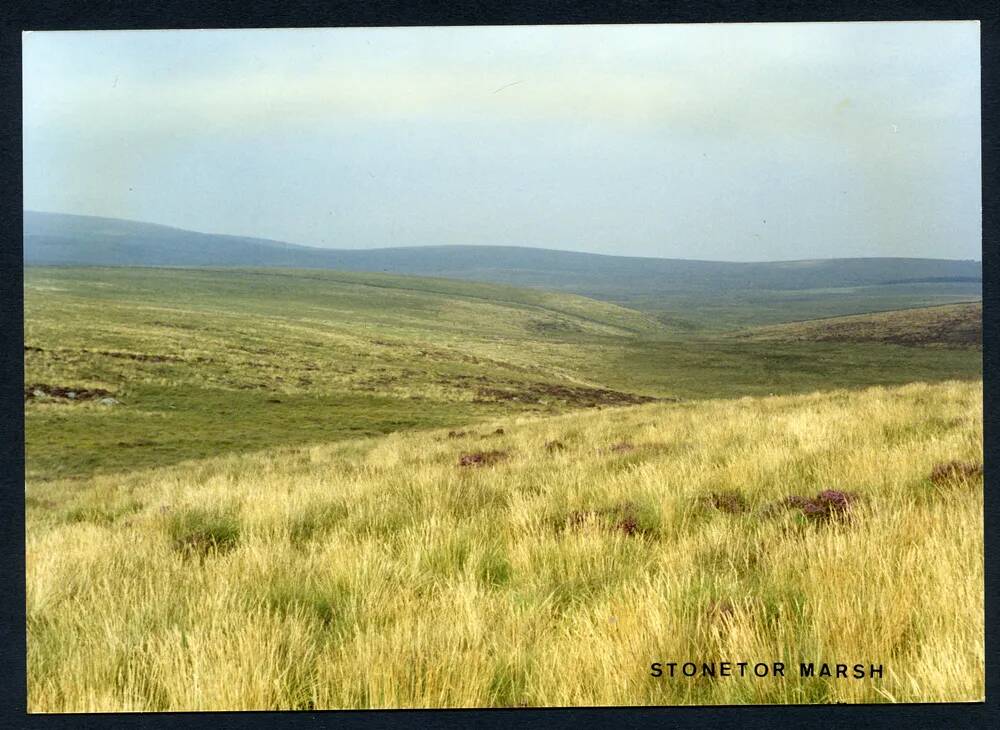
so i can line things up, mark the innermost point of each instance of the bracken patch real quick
(623, 517)
(41, 390)
(482, 458)
(955, 471)
(579, 396)
(729, 502)
(622, 447)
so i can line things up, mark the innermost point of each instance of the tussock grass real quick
(379, 573)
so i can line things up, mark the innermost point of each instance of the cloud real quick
(870, 128)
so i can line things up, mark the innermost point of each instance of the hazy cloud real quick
(724, 141)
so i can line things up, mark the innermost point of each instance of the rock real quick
(38, 393)
(109, 402)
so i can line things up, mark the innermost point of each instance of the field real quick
(281, 489)
(684, 294)
(207, 362)
(948, 325)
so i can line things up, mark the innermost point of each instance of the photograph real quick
(502, 366)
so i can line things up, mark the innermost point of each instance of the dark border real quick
(108, 14)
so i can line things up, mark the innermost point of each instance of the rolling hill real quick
(208, 361)
(948, 325)
(684, 292)
(304, 489)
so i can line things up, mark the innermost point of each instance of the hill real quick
(948, 325)
(208, 361)
(435, 570)
(684, 292)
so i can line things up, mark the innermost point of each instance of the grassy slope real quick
(950, 325)
(733, 309)
(379, 573)
(343, 354)
(200, 357)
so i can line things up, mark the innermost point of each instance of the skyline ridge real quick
(310, 247)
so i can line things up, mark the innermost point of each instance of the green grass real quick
(729, 310)
(206, 362)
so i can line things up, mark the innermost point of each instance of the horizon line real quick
(484, 246)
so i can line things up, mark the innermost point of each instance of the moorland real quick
(260, 487)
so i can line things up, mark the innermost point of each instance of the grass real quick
(328, 490)
(378, 572)
(206, 362)
(947, 325)
(729, 310)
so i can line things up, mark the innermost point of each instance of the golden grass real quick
(379, 573)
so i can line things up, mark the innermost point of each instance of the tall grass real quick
(380, 573)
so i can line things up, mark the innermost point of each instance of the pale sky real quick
(730, 142)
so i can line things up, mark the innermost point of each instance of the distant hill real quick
(950, 325)
(740, 292)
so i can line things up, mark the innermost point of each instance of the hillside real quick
(949, 325)
(205, 361)
(444, 570)
(211, 361)
(687, 292)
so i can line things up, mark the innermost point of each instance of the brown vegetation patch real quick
(720, 610)
(623, 517)
(137, 356)
(579, 396)
(729, 502)
(456, 434)
(482, 458)
(622, 447)
(173, 325)
(41, 390)
(948, 325)
(827, 506)
(955, 471)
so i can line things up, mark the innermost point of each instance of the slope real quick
(402, 572)
(205, 361)
(949, 325)
(687, 292)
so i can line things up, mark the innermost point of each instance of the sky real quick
(739, 142)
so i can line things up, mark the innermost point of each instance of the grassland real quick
(315, 489)
(948, 325)
(205, 362)
(692, 294)
(379, 572)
